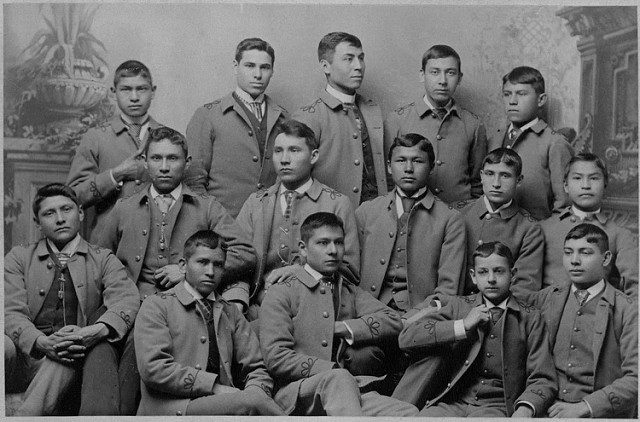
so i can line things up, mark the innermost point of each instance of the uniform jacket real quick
(436, 246)
(615, 347)
(459, 142)
(99, 280)
(256, 218)
(341, 160)
(226, 153)
(172, 349)
(127, 232)
(528, 371)
(545, 154)
(100, 150)
(517, 230)
(622, 243)
(297, 326)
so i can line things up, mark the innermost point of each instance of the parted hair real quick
(411, 140)
(328, 44)
(441, 51)
(207, 238)
(53, 189)
(254, 44)
(489, 248)
(131, 68)
(161, 133)
(504, 155)
(592, 233)
(589, 158)
(525, 75)
(317, 220)
(298, 129)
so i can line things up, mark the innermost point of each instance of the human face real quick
(345, 72)
(165, 162)
(254, 72)
(492, 276)
(293, 160)
(499, 183)
(409, 168)
(521, 102)
(584, 262)
(441, 78)
(585, 185)
(59, 219)
(204, 269)
(324, 250)
(134, 95)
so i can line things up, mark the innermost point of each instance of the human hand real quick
(277, 275)
(264, 404)
(168, 276)
(92, 334)
(523, 411)
(561, 409)
(132, 168)
(478, 315)
(223, 389)
(58, 347)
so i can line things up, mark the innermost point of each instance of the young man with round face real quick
(585, 181)
(146, 229)
(482, 341)
(68, 307)
(458, 136)
(272, 217)
(231, 138)
(348, 127)
(497, 216)
(108, 163)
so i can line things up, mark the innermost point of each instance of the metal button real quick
(437, 190)
(482, 382)
(438, 137)
(283, 246)
(573, 219)
(203, 339)
(480, 242)
(355, 135)
(391, 234)
(356, 162)
(160, 256)
(322, 290)
(178, 413)
(508, 146)
(488, 217)
(41, 292)
(382, 261)
(138, 182)
(569, 365)
(399, 250)
(144, 232)
(198, 366)
(138, 258)
(259, 185)
(448, 384)
(255, 158)
(325, 314)
(146, 296)
(476, 398)
(373, 288)
(576, 329)
(486, 371)
(492, 336)
(573, 347)
(565, 391)
(488, 354)
(466, 362)
(250, 133)
(579, 313)
(439, 162)
(356, 189)
(49, 265)
(324, 343)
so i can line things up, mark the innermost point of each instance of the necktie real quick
(581, 296)
(407, 203)
(164, 202)
(288, 196)
(514, 133)
(441, 112)
(206, 308)
(332, 284)
(496, 313)
(63, 258)
(256, 108)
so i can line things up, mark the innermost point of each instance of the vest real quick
(57, 311)
(259, 127)
(395, 280)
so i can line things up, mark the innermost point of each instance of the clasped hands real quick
(70, 343)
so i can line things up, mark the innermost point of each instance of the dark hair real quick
(589, 158)
(411, 140)
(504, 155)
(207, 238)
(131, 68)
(487, 249)
(161, 133)
(592, 233)
(525, 75)
(441, 51)
(317, 220)
(53, 189)
(329, 42)
(298, 129)
(254, 44)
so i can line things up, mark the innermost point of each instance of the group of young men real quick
(332, 263)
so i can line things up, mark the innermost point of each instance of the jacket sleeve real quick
(277, 341)
(110, 232)
(433, 328)
(391, 131)
(156, 364)
(560, 153)
(453, 257)
(627, 262)
(476, 156)
(310, 119)
(528, 265)
(200, 137)
(351, 244)
(374, 321)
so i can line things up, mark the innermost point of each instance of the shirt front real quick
(490, 208)
(525, 127)
(401, 194)
(248, 99)
(196, 295)
(593, 290)
(434, 108)
(175, 194)
(300, 190)
(583, 214)
(70, 248)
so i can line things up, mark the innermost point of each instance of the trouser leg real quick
(445, 410)
(129, 378)
(332, 393)
(235, 404)
(100, 391)
(49, 384)
(374, 404)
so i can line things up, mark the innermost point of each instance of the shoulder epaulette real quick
(400, 110)
(333, 194)
(624, 296)
(164, 295)
(311, 108)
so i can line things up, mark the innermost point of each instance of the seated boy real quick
(412, 244)
(313, 321)
(272, 217)
(196, 353)
(68, 306)
(487, 354)
(544, 152)
(497, 216)
(147, 230)
(585, 180)
(593, 330)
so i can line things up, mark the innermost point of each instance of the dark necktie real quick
(496, 313)
(407, 203)
(514, 133)
(164, 202)
(581, 296)
(288, 196)
(332, 284)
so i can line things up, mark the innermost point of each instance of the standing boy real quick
(272, 217)
(108, 164)
(585, 180)
(487, 354)
(497, 216)
(348, 127)
(544, 152)
(232, 137)
(458, 136)
(412, 243)
(310, 322)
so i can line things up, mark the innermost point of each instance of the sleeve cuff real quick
(590, 409)
(526, 403)
(113, 179)
(350, 338)
(458, 330)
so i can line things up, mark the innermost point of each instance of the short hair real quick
(592, 233)
(53, 189)
(589, 158)
(411, 140)
(131, 68)
(489, 248)
(298, 129)
(207, 238)
(161, 133)
(525, 75)
(254, 44)
(329, 42)
(317, 220)
(504, 155)
(441, 51)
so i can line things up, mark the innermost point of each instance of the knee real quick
(342, 377)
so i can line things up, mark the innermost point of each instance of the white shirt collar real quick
(583, 214)
(247, 98)
(490, 208)
(525, 127)
(196, 295)
(341, 96)
(502, 305)
(316, 275)
(70, 248)
(175, 194)
(593, 290)
(400, 193)
(432, 107)
(300, 189)
(144, 118)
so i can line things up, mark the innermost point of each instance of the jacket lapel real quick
(78, 269)
(273, 113)
(556, 301)
(605, 303)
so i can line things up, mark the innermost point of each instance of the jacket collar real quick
(313, 192)
(539, 126)
(427, 202)
(43, 252)
(480, 210)
(566, 212)
(143, 196)
(422, 108)
(227, 102)
(118, 125)
(334, 103)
